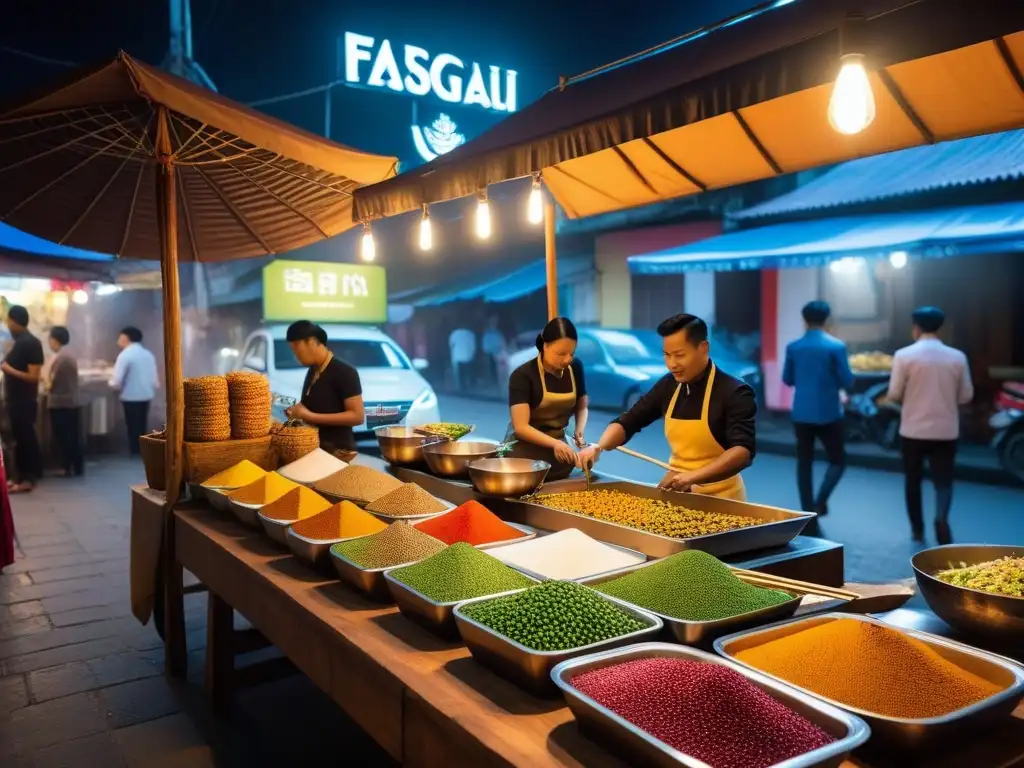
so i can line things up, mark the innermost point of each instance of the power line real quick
(37, 57)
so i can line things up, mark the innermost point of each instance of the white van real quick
(393, 388)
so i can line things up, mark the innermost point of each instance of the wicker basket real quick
(204, 460)
(153, 448)
(250, 405)
(291, 443)
(207, 418)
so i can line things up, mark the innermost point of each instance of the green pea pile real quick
(554, 616)
(461, 572)
(397, 544)
(691, 586)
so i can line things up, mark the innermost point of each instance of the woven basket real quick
(250, 405)
(291, 443)
(204, 460)
(207, 418)
(153, 448)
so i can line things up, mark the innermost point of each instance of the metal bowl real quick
(218, 498)
(971, 611)
(312, 552)
(508, 478)
(403, 445)
(276, 529)
(448, 459)
(247, 514)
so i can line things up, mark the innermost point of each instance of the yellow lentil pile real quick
(242, 473)
(268, 488)
(298, 504)
(358, 483)
(649, 515)
(406, 501)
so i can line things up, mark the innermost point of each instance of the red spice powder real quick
(472, 523)
(704, 710)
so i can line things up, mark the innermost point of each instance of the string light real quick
(852, 106)
(483, 216)
(535, 204)
(898, 259)
(368, 251)
(426, 234)
(80, 297)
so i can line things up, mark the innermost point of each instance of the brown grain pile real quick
(250, 400)
(407, 501)
(358, 483)
(207, 418)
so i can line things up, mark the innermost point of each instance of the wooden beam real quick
(551, 258)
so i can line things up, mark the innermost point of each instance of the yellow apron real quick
(551, 416)
(693, 446)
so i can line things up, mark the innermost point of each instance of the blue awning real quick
(508, 287)
(921, 234)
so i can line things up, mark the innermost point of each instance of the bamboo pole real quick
(551, 258)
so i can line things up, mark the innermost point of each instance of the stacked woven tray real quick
(207, 416)
(250, 402)
(293, 441)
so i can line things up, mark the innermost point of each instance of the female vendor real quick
(709, 416)
(543, 395)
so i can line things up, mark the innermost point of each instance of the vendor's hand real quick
(297, 411)
(676, 481)
(565, 454)
(589, 456)
(6, 367)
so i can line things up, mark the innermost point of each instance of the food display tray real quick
(641, 748)
(911, 733)
(527, 531)
(312, 552)
(276, 529)
(218, 498)
(448, 507)
(541, 577)
(704, 633)
(438, 618)
(529, 668)
(370, 581)
(247, 514)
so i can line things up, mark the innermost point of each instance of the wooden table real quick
(424, 700)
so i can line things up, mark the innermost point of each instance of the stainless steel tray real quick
(276, 529)
(527, 531)
(641, 748)
(312, 552)
(529, 668)
(779, 526)
(459, 491)
(218, 498)
(247, 514)
(908, 732)
(368, 580)
(703, 633)
(542, 577)
(448, 507)
(437, 617)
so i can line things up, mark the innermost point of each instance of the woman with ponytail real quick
(544, 394)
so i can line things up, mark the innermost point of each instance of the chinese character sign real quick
(324, 292)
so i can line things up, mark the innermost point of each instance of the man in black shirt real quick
(332, 396)
(21, 369)
(709, 416)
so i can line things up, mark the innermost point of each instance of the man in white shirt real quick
(462, 344)
(135, 375)
(931, 381)
(494, 346)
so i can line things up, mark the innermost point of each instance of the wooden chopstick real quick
(644, 457)
(781, 582)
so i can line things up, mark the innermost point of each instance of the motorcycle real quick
(1007, 424)
(868, 416)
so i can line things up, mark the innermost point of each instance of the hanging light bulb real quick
(80, 297)
(483, 216)
(426, 234)
(898, 259)
(368, 252)
(852, 106)
(535, 205)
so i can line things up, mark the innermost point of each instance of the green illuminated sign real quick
(324, 292)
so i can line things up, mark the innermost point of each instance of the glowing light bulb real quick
(80, 297)
(483, 218)
(898, 259)
(852, 106)
(535, 205)
(368, 251)
(426, 233)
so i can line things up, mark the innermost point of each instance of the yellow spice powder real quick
(298, 504)
(243, 473)
(268, 488)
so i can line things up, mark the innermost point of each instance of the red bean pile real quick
(706, 711)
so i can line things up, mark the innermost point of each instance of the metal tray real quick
(908, 732)
(247, 514)
(529, 668)
(542, 577)
(641, 748)
(703, 633)
(528, 533)
(276, 529)
(780, 526)
(410, 518)
(313, 552)
(218, 498)
(368, 580)
(437, 617)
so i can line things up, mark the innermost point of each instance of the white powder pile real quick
(566, 555)
(313, 467)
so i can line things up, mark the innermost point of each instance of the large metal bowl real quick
(449, 459)
(403, 445)
(971, 611)
(508, 478)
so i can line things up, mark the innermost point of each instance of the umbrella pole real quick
(551, 258)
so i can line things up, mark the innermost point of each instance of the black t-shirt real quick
(524, 383)
(336, 384)
(27, 350)
(731, 410)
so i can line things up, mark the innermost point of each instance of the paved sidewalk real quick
(81, 682)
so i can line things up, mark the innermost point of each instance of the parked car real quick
(621, 365)
(392, 383)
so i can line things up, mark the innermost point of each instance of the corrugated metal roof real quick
(961, 163)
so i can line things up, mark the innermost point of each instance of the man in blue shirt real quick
(818, 367)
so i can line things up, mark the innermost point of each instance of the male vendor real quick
(709, 416)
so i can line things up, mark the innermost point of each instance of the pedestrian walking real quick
(462, 344)
(63, 402)
(817, 366)
(494, 347)
(22, 369)
(931, 381)
(135, 376)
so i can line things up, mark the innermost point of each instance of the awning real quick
(741, 101)
(509, 287)
(922, 234)
(962, 163)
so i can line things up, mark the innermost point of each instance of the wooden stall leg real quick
(220, 651)
(175, 646)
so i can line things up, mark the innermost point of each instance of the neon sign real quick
(420, 74)
(438, 138)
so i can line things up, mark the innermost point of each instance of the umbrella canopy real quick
(78, 166)
(744, 100)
